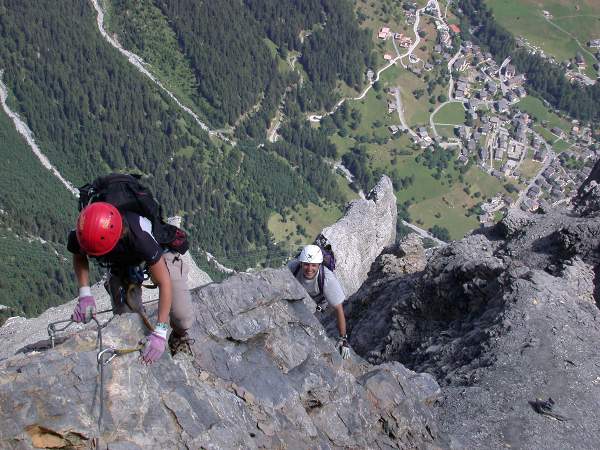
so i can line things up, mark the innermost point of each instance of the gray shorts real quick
(181, 316)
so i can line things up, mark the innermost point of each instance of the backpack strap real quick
(321, 278)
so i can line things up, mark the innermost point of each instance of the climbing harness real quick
(125, 295)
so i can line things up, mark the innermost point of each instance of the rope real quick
(53, 329)
(103, 358)
(104, 355)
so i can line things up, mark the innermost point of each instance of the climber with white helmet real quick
(323, 286)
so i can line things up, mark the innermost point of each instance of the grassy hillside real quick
(571, 21)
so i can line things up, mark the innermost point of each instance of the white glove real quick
(343, 347)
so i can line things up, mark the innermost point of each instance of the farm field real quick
(529, 168)
(373, 110)
(312, 218)
(416, 110)
(560, 146)
(446, 131)
(575, 18)
(449, 207)
(536, 109)
(376, 15)
(452, 113)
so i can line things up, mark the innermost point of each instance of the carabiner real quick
(109, 350)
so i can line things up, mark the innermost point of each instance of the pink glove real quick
(155, 346)
(85, 309)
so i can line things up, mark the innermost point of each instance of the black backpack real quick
(328, 261)
(126, 193)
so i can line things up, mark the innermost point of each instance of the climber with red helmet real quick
(124, 242)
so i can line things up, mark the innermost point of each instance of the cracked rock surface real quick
(264, 375)
(504, 319)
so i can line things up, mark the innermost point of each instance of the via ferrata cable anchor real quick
(52, 329)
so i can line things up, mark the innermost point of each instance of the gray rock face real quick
(264, 375)
(514, 222)
(367, 227)
(407, 257)
(500, 320)
(587, 201)
(391, 282)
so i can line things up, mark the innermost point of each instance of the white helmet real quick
(311, 254)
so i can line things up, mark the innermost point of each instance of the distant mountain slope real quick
(218, 43)
(217, 54)
(92, 112)
(34, 206)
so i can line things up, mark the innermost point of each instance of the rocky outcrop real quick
(587, 200)
(506, 320)
(368, 226)
(264, 375)
(503, 319)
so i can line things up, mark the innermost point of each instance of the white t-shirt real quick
(332, 289)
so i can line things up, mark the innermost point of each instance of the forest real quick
(92, 113)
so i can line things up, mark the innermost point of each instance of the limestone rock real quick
(514, 222)
(408, 256)
(264, 375)
(500, 318)
(587, 201)
(368, 226)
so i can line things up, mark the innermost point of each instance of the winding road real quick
(317, 118)
(432, 124)
(450, 87)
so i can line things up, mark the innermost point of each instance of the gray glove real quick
(343, 347)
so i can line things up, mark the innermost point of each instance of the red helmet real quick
(99, 228)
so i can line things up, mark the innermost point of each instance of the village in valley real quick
(459, 133)
(538, 153)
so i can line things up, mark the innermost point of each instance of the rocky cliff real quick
(368, 226)
(264, 375)
(505, 319)
(488, 342)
